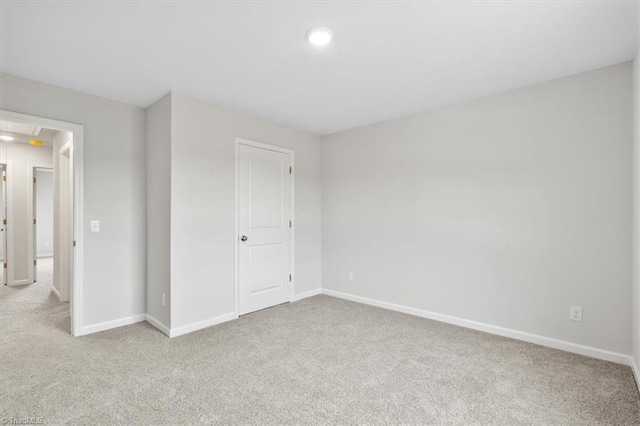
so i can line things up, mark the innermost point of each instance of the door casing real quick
(64, 262)
(236, 233)
(31, 215)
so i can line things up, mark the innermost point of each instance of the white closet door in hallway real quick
(264, 227)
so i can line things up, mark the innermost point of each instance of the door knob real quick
(243, 238)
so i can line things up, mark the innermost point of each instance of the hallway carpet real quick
(318, 361)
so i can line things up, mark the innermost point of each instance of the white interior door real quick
(264, 228)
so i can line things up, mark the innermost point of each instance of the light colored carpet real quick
(318, 361)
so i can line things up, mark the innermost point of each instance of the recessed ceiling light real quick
(36, 142)
(320, 36)
(7, 138)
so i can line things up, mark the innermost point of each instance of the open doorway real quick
(42, 193)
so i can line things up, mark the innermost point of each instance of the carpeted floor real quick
(321, 360)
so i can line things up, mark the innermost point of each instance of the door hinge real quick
(290, 170)
(74, 243)
(35, 262)
(34, 221)
(4, 178)
(5, 265)
(34, 180)
(4, 221)
(289, 277)
(290, 225)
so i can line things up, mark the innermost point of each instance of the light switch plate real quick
(95, 226)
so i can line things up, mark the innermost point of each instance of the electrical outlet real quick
(350, 276)
(575, 313)
(164, 299)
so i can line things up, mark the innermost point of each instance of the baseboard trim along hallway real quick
(461, 322)
(159, 325)
(189, 328)
(492, 329)
(306, 294)
(108, 325)
(636, 372)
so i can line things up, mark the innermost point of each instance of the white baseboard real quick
(57, 293)
(636, 372)
(306, 294)
(159, 325)
(189, 328)
(487, 328)
(20, 282)
(108, 325)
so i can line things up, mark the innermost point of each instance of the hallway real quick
(33, 309)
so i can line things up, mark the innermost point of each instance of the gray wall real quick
(203, 212)
(114, 191)
(44, 213)
(159, 209)
(505, 210)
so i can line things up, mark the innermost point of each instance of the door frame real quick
(65, 151)
(236, 228)
(7, 250)
(77, 285)
(31, 215)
